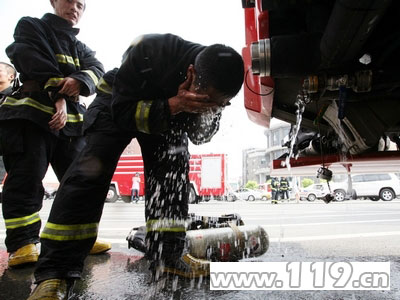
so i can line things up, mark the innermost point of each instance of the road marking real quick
(329, 223)
(266, 226)
(334, 236)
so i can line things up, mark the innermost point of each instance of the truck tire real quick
(387, 194)
(112, 195)
(193, 198)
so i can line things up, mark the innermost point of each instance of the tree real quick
(305, 182)
(251, 185)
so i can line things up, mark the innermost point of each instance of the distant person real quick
(274, 190)
(41, 124)
(166, 91)
(284, 188)
(135, 188)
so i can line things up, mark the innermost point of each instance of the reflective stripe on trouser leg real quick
(165, 238)
(73, 221)
(27, 151)
(58, 232)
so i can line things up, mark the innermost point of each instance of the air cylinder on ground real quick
(227, 243)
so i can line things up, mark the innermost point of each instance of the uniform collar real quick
(6, 92)
(59, 23)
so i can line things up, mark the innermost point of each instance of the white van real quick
(384, 186)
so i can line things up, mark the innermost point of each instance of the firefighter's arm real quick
(33, 57)
(132, 107)
(91, 70)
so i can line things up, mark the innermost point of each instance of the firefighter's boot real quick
(186, 266)
(100, 247)
(25, 255)
(51, 289)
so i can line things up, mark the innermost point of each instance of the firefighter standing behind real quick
(7, 77)
(167, 89)
(42, 123)
(274, 190)
(284, 188)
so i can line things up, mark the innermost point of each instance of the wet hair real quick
(10, 69)
(220, 67)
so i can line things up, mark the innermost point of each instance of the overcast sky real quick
(108, 27)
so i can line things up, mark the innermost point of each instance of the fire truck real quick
(207, 176)
(325, 68)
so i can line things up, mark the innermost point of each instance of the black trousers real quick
(80, 198)
(27, 152)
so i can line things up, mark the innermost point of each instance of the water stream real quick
(301, 102)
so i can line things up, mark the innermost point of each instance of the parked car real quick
(248, 194)
(314, 191)
(265, 195)
(374, 186)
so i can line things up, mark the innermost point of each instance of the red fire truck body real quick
(207, 176)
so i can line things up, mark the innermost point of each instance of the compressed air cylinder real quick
(227, 243)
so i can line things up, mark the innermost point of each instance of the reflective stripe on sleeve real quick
(92, 76)
(22, 221)
(71, 118)
(66, 59)
(104, 86)
(74, 232)
(142, 116)
(52, 82)
(166, 225)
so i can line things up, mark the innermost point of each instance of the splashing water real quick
(301, 102)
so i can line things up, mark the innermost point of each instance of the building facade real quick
(257, 162)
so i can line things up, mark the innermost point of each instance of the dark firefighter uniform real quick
(284, 188)
(152, 71)
(44, 52)
(274, 190)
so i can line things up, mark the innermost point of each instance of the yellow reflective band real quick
(74, 118)
(59, 232)
(30, 102)
(52, 82)
(104, 87)
(142, 116)
(92, 76)
(47, 109)
(21, 222)
(66, 59)
(166, 225)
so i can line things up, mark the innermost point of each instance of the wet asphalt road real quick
(349, 231)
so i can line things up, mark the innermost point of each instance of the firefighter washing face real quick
(42, 123)
(158, 96)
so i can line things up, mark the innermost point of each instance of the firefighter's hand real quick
(70, 87)
(59, 119)
(187, 101)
